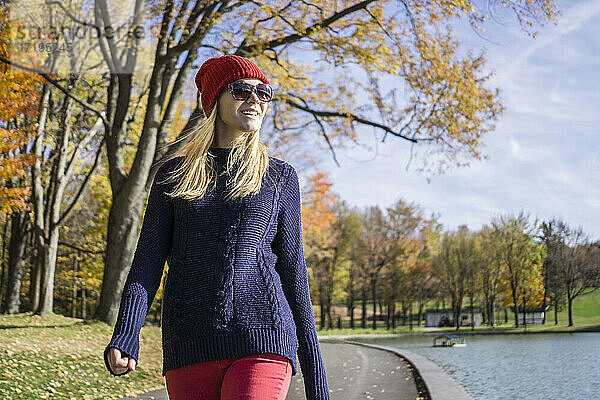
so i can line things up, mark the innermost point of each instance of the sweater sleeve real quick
(291, 266)
(143, 280)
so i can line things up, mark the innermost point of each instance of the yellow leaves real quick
(66, 361)
(317, 205)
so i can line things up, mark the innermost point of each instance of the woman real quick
(226, 216)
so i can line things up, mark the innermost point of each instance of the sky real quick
(543, 156)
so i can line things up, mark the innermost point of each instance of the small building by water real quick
(437, 318)
(449, 341)
(533, 316)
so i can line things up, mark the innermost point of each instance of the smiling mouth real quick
(250, 113)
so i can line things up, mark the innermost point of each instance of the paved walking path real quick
(353, 373)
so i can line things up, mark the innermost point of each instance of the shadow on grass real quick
(593, 328)
(41, 326)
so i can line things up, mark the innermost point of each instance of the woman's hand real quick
(120, 363)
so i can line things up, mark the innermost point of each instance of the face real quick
(240, 116)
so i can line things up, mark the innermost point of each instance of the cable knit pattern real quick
(228, 239)
(237, 283)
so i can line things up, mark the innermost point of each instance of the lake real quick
(532, 366)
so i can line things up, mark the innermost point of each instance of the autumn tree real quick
(351, 229)
(426, 285)
(322, 239)
(63, 131)
(521, 259)
(446, 112)
(403, 278)
(491, 273)
(406, 224)
(373, 250)
(553, 287)
(388, 239)
(19, 97)
(455, 262)
(572, 261)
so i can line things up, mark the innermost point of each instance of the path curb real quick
(439, 385)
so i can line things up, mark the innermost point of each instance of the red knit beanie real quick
(218, 72)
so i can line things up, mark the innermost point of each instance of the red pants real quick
(257, 377)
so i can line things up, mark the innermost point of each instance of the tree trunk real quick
(524, 312)
(493, 311)
(570, 301)
(37, 194)
(545, 295)
(472, 312)
(75, 271)
(123, 230)
(330, 286)
(83, 303)
(4, 262)
(516, 303)
(374, 297)
(16, 261)
(74, 296)
(129, 190)
(48, 271)
(364, 309)
(62, 169)
(555, 311)
(486, 312)
(457, 308)
(34, 282)
(321, 308)
(350, 303)
(388, 322)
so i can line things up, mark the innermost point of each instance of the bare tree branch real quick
(323, 132)
(71, 206)
(346, 115)
(248, 49)
(55, 84)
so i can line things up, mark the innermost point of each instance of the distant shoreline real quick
(436, 333)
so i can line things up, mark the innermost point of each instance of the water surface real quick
(533, 366)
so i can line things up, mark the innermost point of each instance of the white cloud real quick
(571, 20)
(544, 156)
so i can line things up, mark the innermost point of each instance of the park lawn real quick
(586, 317)
(61, 358)
(586, 314)
(366, 331)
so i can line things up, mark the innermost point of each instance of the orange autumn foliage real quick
(19, 108)
(317, 205)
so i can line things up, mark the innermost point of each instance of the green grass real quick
(586, 317)
(366, 331)
(61, 358)
(586, 306)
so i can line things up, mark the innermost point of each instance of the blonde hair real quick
(247, 162)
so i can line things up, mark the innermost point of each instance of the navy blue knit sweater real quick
(237, 283)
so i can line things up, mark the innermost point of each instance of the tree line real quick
(398, 257)
(82, 130)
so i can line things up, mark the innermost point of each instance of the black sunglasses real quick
(243, 91)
